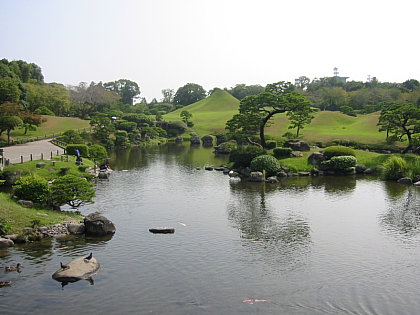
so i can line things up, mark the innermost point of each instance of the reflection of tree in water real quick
(280, 241)
(129, 158)
(403, 215)
(337, 184)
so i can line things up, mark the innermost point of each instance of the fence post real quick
(51, 155)
(31, 157)
(57, 152)
(21, 159)
(42, 156)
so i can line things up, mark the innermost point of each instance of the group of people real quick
(103, 167)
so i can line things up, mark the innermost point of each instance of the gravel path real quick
(36, 148)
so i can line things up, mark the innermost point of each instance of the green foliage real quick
(126, 89)
(4, 226)
(347, 110)
(241, 91)
(97, 151)
(282, 152)
(71, 136)
(72, 190)
(243, 156)
(228, 146)
(394, 168)
(340, 163)
(185, 116)
(121, 139)
(176, 128)
(267, 163)
(189, 93)
(338, 151)
(83, 149)
(128, 126)
(271, 145)
(44, 110)
(34, 188)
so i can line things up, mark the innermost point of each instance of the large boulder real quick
(98, 225)
(26, 203)
(316, 158)
(5, 242)
(405, 181)
(76, 228)
(297, 145)
(77, 269)
(360, 168)
(195, 140)
(207, 141)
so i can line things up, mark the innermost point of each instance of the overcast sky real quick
(215, 43)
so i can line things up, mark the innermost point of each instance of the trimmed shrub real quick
(227, 147)
(342, 163)
(83, 149)
(44, 110)
(282, 152)
(121, 139)
(266, 163)
(394, 168)
(271, 145)
(97, 151)
(72, 190)
(338, 151)
(34, 188)
(243, 156)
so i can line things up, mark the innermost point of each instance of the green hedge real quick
(83, 149)
(338, 151)
(282, 152)
(243, 156)
(96, 151)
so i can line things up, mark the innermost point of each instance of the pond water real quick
(323, 245)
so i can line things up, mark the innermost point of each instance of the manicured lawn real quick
(52, 126)
(17, 217)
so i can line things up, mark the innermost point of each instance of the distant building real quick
(341, 79)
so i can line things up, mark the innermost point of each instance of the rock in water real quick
(98, 225)
(162, 230)
(77, 269)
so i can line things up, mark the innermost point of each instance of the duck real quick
(88, 257)
(5, 283)
(13, 268)
(63, 266)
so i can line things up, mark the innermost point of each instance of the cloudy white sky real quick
(215, 43)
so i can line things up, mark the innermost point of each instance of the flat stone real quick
(304, 173)
(405, 181)
(208, 168)
(162, 230)
(26, 203)
(40, 164)
(417, 184)
(79, 268)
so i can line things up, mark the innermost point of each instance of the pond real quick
(303, 246)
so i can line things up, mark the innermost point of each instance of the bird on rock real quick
(13, 268)
(63, 266)
(88, 257)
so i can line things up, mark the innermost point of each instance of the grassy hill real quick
(327, 126)
(52, 125)
(210, 114)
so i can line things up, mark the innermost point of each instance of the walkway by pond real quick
(37, 149)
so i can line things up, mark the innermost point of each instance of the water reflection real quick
(402, 217)
(280, 239)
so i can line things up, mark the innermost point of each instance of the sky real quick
(164, 44)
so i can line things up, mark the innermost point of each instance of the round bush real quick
(83, 149)
(271, 145)
(338, 150)
(266, 163)
(243, 156)
(394, 168)
(44, 110)
(34, 188)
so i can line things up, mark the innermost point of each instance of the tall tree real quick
(168, 95)
(401, 120)
(241, 91)
(126, 89)
(8, 123)
(255, 111)
(189, 93)
(9, 90)
(299, 117)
